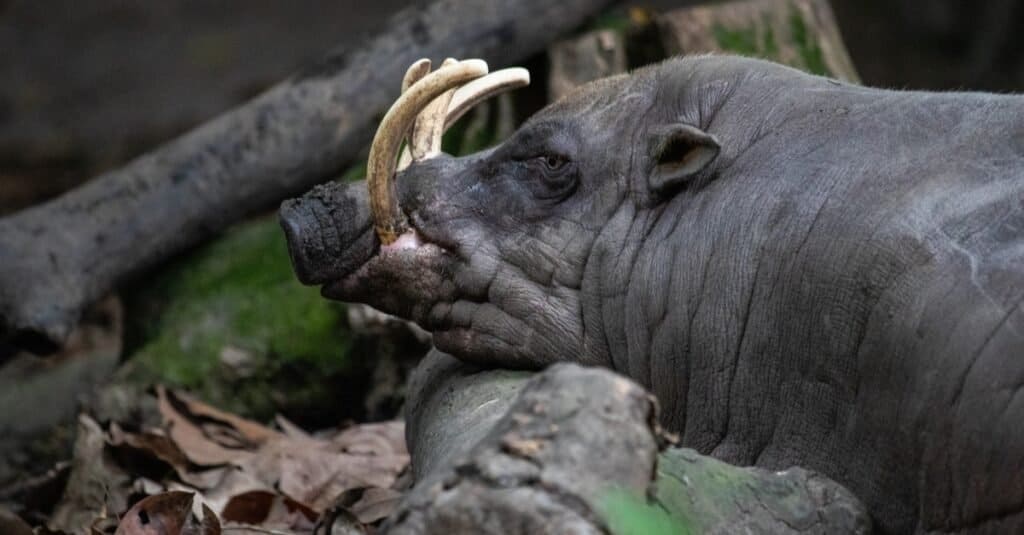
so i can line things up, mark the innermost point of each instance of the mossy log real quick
(576, 449)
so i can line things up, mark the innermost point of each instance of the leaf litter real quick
(205, 471)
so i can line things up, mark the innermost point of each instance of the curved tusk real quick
(413, 74)
(429, 126)
(483, 88)
(417, 70)
(465, 98)
(388, 219)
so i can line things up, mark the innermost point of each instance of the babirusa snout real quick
(335, 228)
(329, 231)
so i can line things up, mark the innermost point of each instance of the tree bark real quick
(538, 461)
(58, 257)
(588, 57)
(799, 33)
(495, 451)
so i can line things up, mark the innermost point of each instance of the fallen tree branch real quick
(495, 451)
(58, 257)
(570, 436)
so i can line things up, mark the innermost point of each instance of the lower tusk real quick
(429, 127)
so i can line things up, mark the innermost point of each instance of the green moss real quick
(628, 514)
(699, 489)
(237, 295)
(810, 52)
(738, 41)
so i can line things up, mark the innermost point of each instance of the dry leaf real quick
(372, 438)
(161, 514)
(169, 513)
(208, 436)
(156, 444)
(265, 508)
(234, 482)
(290, 429)
(251, 432)
(315, 474)
(209, 525)
(376, 504)
(96, 484)
(260, 477)
(206, 479)
(145, 446)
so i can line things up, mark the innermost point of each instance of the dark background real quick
(86, 85)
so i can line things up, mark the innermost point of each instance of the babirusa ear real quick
(678, 153)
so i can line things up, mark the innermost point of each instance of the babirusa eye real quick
(554, 162)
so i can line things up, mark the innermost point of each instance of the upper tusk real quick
(463, 100)
(388, 219)
(483, 88)
(417, 70)
(429, 127)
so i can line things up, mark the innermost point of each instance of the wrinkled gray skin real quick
(838, 287)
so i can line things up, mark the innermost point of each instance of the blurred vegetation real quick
(810, 52)
(759, 40)
(230, 322)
